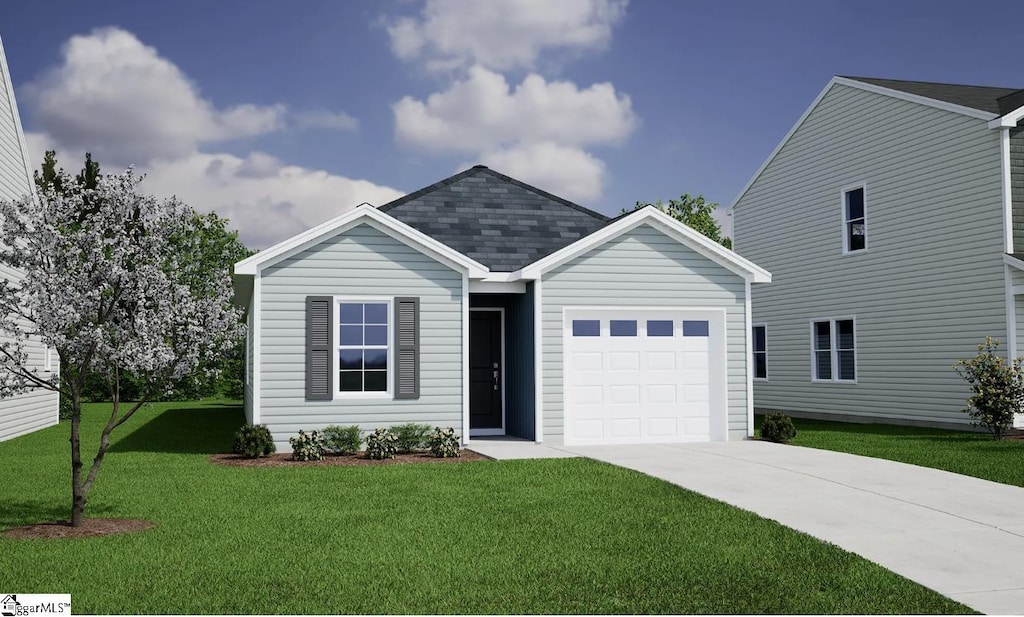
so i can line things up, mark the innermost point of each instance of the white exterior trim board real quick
(1004, 159)
(663, 222)
(364, 213)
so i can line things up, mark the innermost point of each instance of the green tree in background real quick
(695, 212)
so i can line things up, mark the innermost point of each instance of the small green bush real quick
(253, 441)
(777, 427)
(307, 446)
(342, 439)
(381, 444)
(997, 388)
(411, 437)
(444, 443)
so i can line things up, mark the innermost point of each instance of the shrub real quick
(997, 388)
(777, 427)
(342, 439)
(381, 444)
(411, 436)
(253, 441)
(307, 446)
(444, 443)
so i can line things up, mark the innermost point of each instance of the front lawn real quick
(548, 536)
(968, 453)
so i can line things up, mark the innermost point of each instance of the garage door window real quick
(660, 327)
(623, 327)
(695, 328)
(586, 327)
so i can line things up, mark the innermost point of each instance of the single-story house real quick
(493, 307)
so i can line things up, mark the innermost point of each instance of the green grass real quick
(548, 536)
(967, 453)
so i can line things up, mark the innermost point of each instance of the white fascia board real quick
(675, 229)
(1012, 261)
(860, 85)
(17, 119)
(1010, 120)
(364, 213)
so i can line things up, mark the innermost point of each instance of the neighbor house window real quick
(833, 347)
(855, 231)
(363, 350)
(761, 352)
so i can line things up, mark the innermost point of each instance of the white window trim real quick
(842, 207)
(833, 350)
(336, 339)
(754, 352)
(47, 359)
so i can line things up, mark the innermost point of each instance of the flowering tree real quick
(100, 282)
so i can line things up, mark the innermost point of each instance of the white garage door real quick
(643, 376)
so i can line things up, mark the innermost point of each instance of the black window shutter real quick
(319, 357)
(407, 348)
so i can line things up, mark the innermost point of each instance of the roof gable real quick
(15, 169)
(496, 220)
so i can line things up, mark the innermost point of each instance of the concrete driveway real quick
(960, 536)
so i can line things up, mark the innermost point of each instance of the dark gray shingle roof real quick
(985, 98)
(501, 222)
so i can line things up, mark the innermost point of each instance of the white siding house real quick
(38, 408)
(885, 217)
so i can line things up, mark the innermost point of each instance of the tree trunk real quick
(77, 494)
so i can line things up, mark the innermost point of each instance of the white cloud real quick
(119, 99)
(124, 102)
(321, 119)
(502, 34)
(564, 171)
(483, 112)
(266, 199)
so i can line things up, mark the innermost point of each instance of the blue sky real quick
(283, 117)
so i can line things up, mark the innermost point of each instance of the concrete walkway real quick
(961, 536)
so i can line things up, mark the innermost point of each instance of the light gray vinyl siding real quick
(36, 409)
(928, 289)
(643, 268)
(1017, 186)
(360, 262)
(247, 384)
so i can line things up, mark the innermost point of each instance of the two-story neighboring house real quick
(892, 219)
(37, 408)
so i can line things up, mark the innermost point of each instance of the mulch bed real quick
(90, 528)
(283, 459)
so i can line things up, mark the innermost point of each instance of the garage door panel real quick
(635, 387)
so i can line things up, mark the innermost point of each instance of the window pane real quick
(822, 335)
(623, 327)
(854, 204)
(350, 313)
(659, 327)
(376, 358)
(586, 327)
(350, 359)
(695, 328)
(847, 370)
(822, 365)
(351, 381)
(759, 338)
(761, 365)
(376, 381)
(376, 335)
(856, 240)
(351, 335)
(377, 313)
(844, 334)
